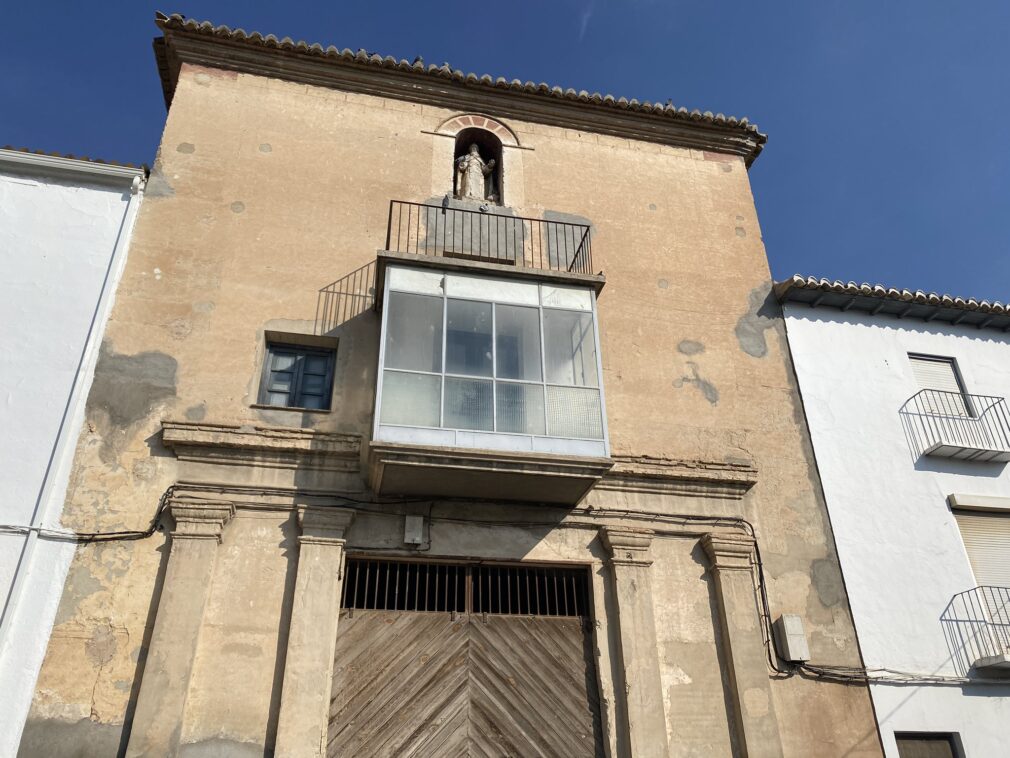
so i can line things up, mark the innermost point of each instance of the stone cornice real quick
(200, 519)
(627, 547)
(234, 52)
(664, 476)
(270, 447)
(729, 551)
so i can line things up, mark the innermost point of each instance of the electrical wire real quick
(841, 674)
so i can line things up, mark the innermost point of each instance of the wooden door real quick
(417, 684)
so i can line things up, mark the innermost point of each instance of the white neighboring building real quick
(904, 396)
(64, 228)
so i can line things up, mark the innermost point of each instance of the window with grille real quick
(295, 376)
(465, 588)
(478, 362)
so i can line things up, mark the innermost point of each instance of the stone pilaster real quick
(732, 558)
(643, 731)
(157, 722)
(312, 637)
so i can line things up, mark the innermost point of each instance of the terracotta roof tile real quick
(445, 71)
(29, 151)
(878, 298)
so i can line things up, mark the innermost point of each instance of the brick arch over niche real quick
(456, 124)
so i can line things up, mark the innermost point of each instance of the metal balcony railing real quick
(957, 425)
(977, 626)
(449, 232)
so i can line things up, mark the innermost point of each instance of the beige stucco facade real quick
(268, 201)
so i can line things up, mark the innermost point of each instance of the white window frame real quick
(490, 440)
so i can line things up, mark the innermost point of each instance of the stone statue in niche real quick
(471, 177)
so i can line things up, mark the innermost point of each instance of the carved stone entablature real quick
(627, 547)
(401, 469)
(321, 525)
(664, 476)
(269, 447)
(729, 551)
(200, 519)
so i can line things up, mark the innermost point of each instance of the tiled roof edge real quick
(363, 58)
(799, 288)
(70, 157)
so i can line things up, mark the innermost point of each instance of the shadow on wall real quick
(342, 300)
(976, 624)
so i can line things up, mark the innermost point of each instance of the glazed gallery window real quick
(297, 377)
(490, 356)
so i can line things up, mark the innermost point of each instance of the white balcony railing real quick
(957, 425)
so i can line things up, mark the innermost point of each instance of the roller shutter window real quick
(927, 745)
(987, 539)
(940, 374)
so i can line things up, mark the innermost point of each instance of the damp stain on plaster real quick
(55, 737)
(180, 328)
(196, 412)
(707, 389)
(761, 315)
(827, 581)
(101, 648)
(80, 584)
(144, 470)
(158, 185)
(125, 390)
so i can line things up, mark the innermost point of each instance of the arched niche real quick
(489, 149)
(456, 124)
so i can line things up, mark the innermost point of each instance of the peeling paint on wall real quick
(761, 315)
(125, 390)
(709, 390)
(158, 184)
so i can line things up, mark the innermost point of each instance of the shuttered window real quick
(987, 539)
(926, 746)
(940, 375)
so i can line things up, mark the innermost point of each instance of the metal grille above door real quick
(437, 659)
(464, 588)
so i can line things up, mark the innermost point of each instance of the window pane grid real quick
(487, 369)
(296, 377)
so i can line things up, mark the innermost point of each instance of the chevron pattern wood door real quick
(414, 685)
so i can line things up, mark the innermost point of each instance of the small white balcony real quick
(957, 425)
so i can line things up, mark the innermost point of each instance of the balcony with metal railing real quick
(486, 237)
(977, 626)
(957, 425)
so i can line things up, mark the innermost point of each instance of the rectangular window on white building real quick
(489, 363)
(986, 536)
(942, 390)
(927, 745)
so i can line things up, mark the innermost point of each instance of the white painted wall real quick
(64, 227)
(899, 546)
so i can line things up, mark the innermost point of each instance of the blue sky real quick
(889, 122)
